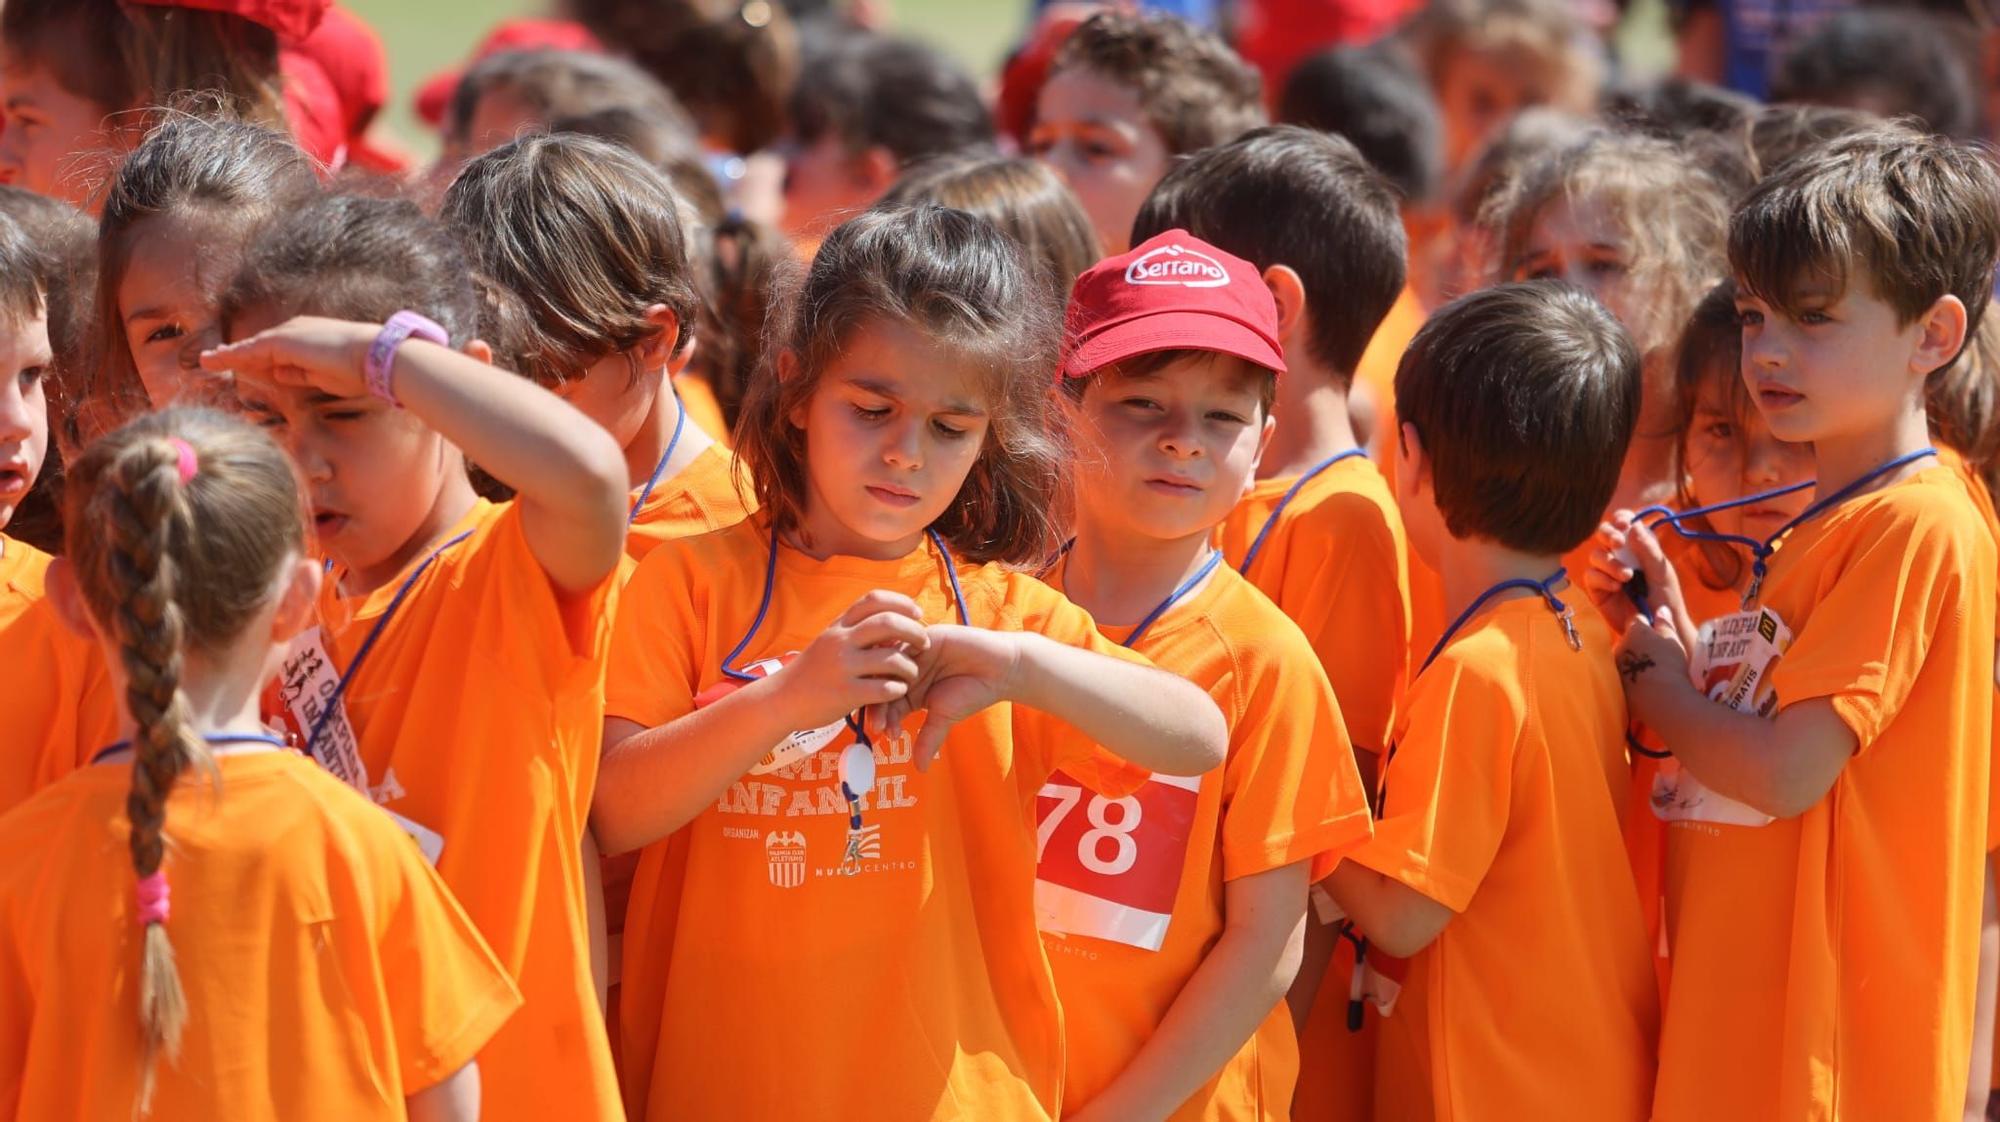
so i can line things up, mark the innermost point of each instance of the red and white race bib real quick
(1731, 663)
(1111, 868)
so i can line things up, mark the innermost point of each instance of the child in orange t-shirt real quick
(828, 911)
(1497, 869)
(1828, 858)
(1318, 532)
(287, 951)
(1173, 955)
(457, 674)
(55, 702)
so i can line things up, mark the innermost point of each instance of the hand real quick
(1620, 542)
(1650, 655)
(864, 658)
(964, 670)
(328, 355)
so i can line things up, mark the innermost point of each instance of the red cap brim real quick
(1171, 331)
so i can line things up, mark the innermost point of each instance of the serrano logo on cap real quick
(1175, 264)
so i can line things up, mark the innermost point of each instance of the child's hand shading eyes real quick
(313, 351)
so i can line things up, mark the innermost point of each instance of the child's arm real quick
(1236, 986)
(1151, 718)
(1781, 766)
(566, 470)
(454, 1100)
(652, 782)
(1394, 916)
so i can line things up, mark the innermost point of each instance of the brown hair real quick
(1918, 215)
(909, 98)
(732, 63)
(739, 266)
(1538, 36)
(1191, 86)
(167, 566)
(1710, 348)
(1671, 211)
(587, 236)
(1525, 396)
(137, 56)
(188, 166)
(958, 279)
(1780, 132)
(1029, 202)
(551, 84)
(673, 153)
(1151, 363)
(1286, 195)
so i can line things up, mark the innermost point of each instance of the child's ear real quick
(1413, 466)
(1290, 293)
(877, 170)
(67, 596)
(657, 349)
(479, 349)
(1264, 442)
(1944, 325)
(298, 601)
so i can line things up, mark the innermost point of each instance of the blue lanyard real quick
(646, 492)
(1760, 564)
(729, 669)
(368, 644)
(1271, 521)
(1175, 597)
(212, 738)
(1637, 588)
(1543, 588)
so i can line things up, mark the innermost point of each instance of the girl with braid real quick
(285, 948)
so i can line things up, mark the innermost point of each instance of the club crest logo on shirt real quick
(785, 857)
(1177, 265)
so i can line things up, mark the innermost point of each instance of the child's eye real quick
(1720, 430)
(948, 430)
(1541, 272)
(164, 332)
(1748, 317)
(338, 415)
(1227, 417)
(1142, 404)
(1098, 150)
(871, 414)
(1607, 268)
(30, 377)
(1814, 318)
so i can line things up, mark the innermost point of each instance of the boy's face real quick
(1093, 132)
(1168, 454)
(24, 410)
(53, 142)
(892, 430)
(1580, 241)
(1731, 453)
(167, 300)
(373, 472)
(1477, 92)
(1840, 364)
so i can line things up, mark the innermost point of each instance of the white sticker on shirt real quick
(795, 746)
(1111, 868)
(1732, 663)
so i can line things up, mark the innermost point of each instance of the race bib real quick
(792, 748)
(1732, 663)
(1111, 868)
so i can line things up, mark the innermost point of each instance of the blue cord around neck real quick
(1544, 588)
(1271, 520)
(646, 492)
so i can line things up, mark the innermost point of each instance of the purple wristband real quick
(382, 352)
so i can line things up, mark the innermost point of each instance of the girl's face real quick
(24, 408)
(1581, 241)
(1093, 132)
(53, 142)
(1169, 454)
(1730, 454)
(893, 428)
(167, 299)
(373, 472)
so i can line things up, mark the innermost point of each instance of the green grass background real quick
(425, 36)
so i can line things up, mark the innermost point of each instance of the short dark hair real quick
(1709, 123)
(1284, 195)
(1918, 214)
(1191, 86)
(1376, 98)
(881, 90)
(733, 65)
(1904, 62)
(1525, 396)
(552, 83)
(587, 236)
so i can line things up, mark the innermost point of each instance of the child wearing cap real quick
(1174, 916)
(1497, 868)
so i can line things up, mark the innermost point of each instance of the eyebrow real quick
(146, 313)
(883, 389)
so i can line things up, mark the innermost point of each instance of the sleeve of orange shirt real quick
(1354, 606)
(1871, 630)
(651, 674)
(1053, 742)
(445, 991)
(1290, 784)
(1449, 783)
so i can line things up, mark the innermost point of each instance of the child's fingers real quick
(880, 601)
(886, 662)
(930, 739)
(887, 628)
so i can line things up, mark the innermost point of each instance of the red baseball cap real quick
(293, 20)
(434, 96)
(1176, 292)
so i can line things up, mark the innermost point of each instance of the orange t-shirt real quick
(1288, 792)
(702, 496)
(328, 973)
(1824, 964)
(1377, 368)
(758, 976)
(698, 398)
(56, 707)
(479, 714)
(1503, 794)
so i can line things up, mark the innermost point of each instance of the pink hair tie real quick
(153, 897)
(188, 464)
